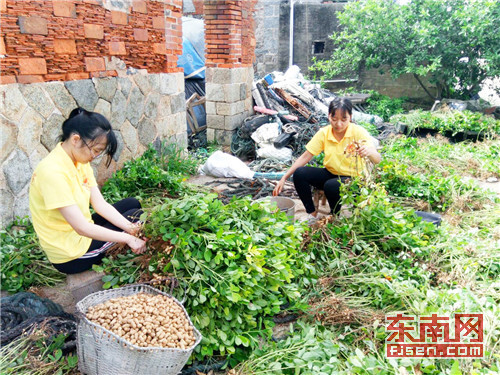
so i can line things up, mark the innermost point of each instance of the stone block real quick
(125, 156)
(30, 130)
(215, 122)
(94, 64)
(60, 97)
(168, 84)
(17, 171)
(223, 137)
(92, 31)
(8, 131)
(232, 93)
(233, 122)
(51, 130)
(35, 65)
(142, 81)
(12, 103)
(7, 204)
(104, 108)
(125, 86)
(33, 25)
(129, 136)
(154, 82)
(180, 123)
(214, 92)
(230, 109)
(65, 46)
(164, 109)
(180, 81)
(141, 35)
(83, 91)
(139, 6)
(117, 48)
(119, 147)
(159, 22)
(219, 76)
(210, 135)
(118, 110)
(163, 125)
(211, 108)
(248, 106)
(105, 87)
(135, 108)
(115, 63)
(177, 103)
(37, 99)
(64, 9)
(147, 131)
(119, 18)
(37, 155)
(151, 106)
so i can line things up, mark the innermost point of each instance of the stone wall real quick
(140, 107)
(404, 85)
(230, 45)
(267, 20)
(115, 57)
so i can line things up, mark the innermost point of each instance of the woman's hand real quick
(370, 152)
(137, 245)
(134, 228)
(279, 187)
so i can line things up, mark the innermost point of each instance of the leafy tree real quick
(454, 42)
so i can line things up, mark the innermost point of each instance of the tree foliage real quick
(454, 43)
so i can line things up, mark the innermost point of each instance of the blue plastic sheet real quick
(191, 61)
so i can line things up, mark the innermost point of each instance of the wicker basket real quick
(101, 352)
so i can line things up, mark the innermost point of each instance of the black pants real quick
(129, 208)
(306, 177)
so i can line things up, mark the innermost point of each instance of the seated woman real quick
(63, 185)
(333, 140)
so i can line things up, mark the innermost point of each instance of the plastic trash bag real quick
(269, 151)
(220, 164)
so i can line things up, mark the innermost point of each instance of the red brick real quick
(139, 6)
(141, 35)
(119, 18)
(93, 31)
(29, 78)
(65, 46)
(117, 48)
(94, 64)
(160, 48)
(33, 66)
(33, 25)
(55, 77)
(3, 51)
(5, 80)
(64, 9)
(75, 76)
(159, 22)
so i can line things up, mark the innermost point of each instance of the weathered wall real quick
(404, 85)
(230, 45)
(115, 57)
(267, 35)
(313, 22)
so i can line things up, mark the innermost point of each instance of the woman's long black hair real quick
(90, 126)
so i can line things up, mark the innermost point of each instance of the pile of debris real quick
(290, 110)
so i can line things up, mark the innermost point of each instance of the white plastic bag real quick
(266, 134)
(220, 164)
(269, 151)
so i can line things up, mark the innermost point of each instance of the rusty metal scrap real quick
(296, 105)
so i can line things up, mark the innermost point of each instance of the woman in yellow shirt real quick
(62, 187)
(332, 140)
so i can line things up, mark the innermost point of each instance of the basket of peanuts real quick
(135, 329)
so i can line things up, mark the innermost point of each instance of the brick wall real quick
(229, 33)
(68, 40)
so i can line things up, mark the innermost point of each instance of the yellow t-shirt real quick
(335, 161)
(57, 183)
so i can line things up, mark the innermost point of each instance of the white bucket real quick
(284, 204)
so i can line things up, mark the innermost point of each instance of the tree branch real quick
(425, 88)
